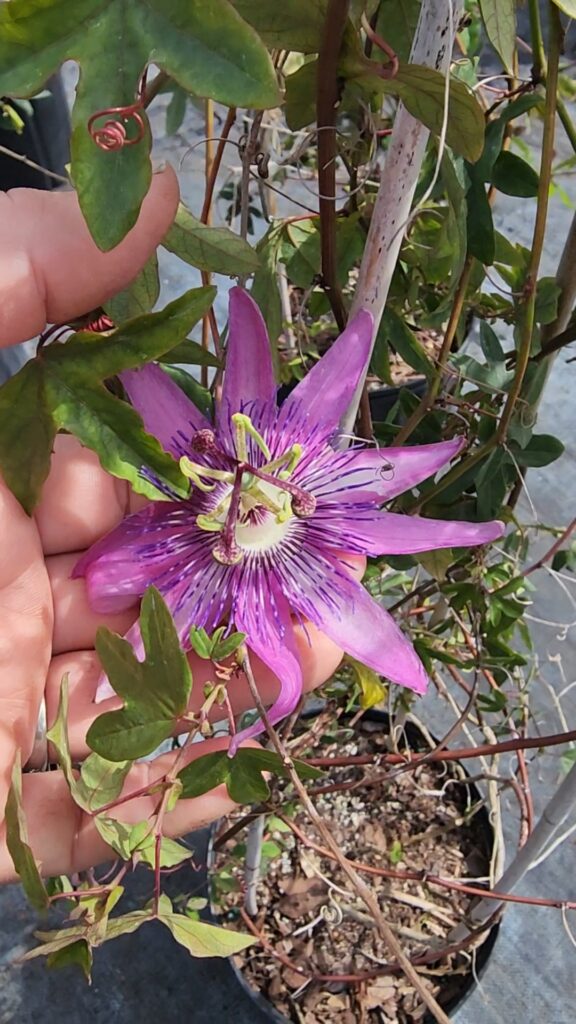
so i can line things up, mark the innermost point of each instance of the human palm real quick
(51, 271)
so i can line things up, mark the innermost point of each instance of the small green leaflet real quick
(207, 48)
(242, 774)
(63, 388)
(100, 781)
(17, 843)
(214, 249)
(217, 647)
(155, 691)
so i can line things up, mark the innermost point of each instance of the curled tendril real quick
(124, 127)
(389, 70)
(100, 324)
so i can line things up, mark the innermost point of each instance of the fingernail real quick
(158, 165)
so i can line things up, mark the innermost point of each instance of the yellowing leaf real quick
(372, 690)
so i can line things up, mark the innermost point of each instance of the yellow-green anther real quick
(193, 470)
(208, 523)
(288, 461)
(200, 484)
(243, 425)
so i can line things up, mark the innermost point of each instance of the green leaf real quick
(155, 691)
(299, 107)
(201, 642)
(77, 953)
(568, 6)
(131, 345)
(490, 344)
(436, 563)
(265, 290)
(58, 736)
(63, 388)
(125, 925)
(116, 834)
(480, 226)
(541, 450)
(547, 297)
(242, 774)
(190, 353)
(397, 21)
(422, 90)
(176, 109)
(101, 781)
(224, 648)
(115, 432)
(80, 403)
(27, 432)
(204, 940)
(214, 249)
(405, 343)
(54, 941)
(499, 17)
(208, 50)
(139, 297)
(291, 25)
(17, 843)
(171, 853)
(514, 176)
(193, 390)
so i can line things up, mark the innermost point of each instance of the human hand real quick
(50, 270)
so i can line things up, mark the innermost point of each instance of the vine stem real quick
(327, 96)
(31, 163)
(403, 875)
(432, 47)
(564, 536)
(360, 887)
(537, 247)
(456, 754)
(247, 158)
(207, 219)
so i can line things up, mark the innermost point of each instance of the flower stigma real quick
(255, 503)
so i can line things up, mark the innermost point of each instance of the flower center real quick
(255, 512)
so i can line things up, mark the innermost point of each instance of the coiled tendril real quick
(124, 127)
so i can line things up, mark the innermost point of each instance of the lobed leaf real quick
(155, 691)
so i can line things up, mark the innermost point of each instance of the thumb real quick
(51, 269)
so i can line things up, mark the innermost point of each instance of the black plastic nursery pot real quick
(44, 139)
(236, 982)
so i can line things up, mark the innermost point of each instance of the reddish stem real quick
(426, 879)
(459, 754)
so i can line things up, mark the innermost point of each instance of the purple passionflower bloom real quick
(273, 505)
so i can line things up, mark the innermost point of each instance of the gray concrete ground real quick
(530, 978)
